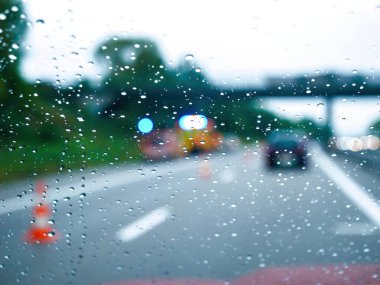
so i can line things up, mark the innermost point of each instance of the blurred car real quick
(197, 134)
(160, 144)
(180, 140)
(286, 149)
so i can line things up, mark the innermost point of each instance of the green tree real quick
(375, 128)
(13, 25)
(134, 65)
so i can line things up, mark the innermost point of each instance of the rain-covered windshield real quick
(206, 142)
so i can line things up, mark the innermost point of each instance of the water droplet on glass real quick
(189, 57)
(40, 21)
(80, 119)
(2, 17)
(119, 267)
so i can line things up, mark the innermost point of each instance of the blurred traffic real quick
(287, 148)
(192, 134)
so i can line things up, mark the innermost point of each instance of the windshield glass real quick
(208, 142)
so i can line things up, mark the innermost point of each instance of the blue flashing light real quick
(145, 125)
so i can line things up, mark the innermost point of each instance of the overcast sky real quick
(234, 42)
(230, 39)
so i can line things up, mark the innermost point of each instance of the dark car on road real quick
(286, 149)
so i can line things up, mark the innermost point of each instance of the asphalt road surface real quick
(219, 217)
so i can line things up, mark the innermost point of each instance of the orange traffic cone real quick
(41, 232)
(205, 170)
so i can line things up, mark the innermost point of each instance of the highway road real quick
(219, 216)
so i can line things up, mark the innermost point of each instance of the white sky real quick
(243, 38)
(234, 42)
(351, 117)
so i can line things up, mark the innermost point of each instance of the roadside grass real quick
(30, 159)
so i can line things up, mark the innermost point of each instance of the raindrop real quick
(3, 17)
(80, 119)
(12, 57)
(119, 267)
(189, 57)
(40, 21)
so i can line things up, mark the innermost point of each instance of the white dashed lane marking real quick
(144, 224)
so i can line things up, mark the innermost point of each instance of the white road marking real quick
(98, 182)
(355, 228)
(362, 199)
(118, 179)
(144, 224)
